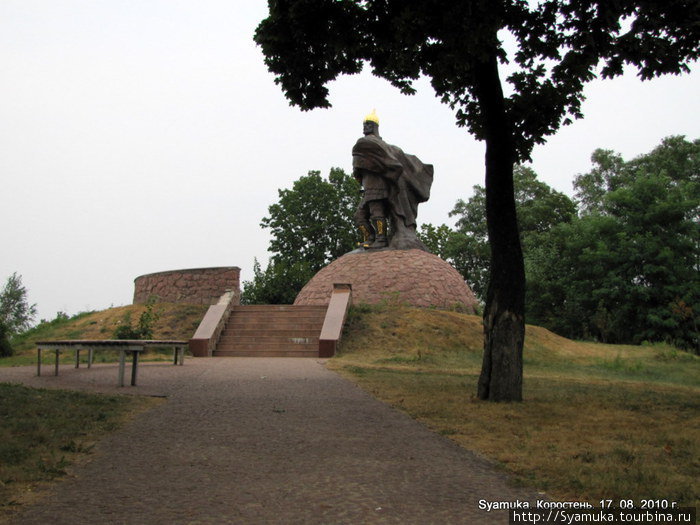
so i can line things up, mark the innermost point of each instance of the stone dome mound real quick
(413, 277)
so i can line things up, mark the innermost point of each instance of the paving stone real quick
(264, 440)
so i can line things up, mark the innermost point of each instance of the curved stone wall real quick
(412, 277)
(193, 286)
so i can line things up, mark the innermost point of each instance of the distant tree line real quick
(618, 263)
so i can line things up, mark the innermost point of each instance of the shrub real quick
(5, 346)
(144, 327)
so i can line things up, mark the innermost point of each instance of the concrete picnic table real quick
(132, 346)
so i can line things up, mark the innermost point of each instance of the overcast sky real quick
(144, 136)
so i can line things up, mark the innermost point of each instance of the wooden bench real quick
(125, 346)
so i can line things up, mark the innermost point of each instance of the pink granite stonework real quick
(193, 286)
(411, 277)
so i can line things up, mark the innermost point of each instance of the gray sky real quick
(143, 136)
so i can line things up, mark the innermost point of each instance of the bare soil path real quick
(264, 440)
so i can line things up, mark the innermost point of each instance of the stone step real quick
(250, 316)
(261, 327)
(275, 331)
(294, 338)
(279, 310)
(266, 353)
(277, 314)
(272, 331)
(266, 321)
(281, 346)
(287, 307)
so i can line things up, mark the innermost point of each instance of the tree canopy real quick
(311, 225)
(15, 311)
(620, 264)
(628, 269)
(279, 283)
(312, 221)
(559, 46)
(539, 208)
(16, 314)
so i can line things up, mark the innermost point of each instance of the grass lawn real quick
(44, 431)
(597, 421)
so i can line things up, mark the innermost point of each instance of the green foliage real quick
(279, 283)
(45, 329)
(311, 225)
(313, 221)
(561, 45)
(675, 158)
(16, 314)
(538, 206)
(436, 239)
(468, 254)
(125, 330)
(144, 326)
(147, 320)
(60, 319)
(627, 269)
(6, 349)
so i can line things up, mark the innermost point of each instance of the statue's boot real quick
(367, 235)
(380, 228)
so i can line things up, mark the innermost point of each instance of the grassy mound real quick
(598, 421)
(428, 339)
(175, 321)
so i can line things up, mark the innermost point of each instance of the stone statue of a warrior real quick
(393, 184)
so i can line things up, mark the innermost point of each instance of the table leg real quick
(122, 358)
(38, 361)
(56, 372)
(134, 367)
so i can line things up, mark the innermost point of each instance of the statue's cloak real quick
(410, 179)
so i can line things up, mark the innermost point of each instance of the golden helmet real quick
(372, 117)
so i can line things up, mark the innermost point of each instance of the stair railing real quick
(209, 330)
(336, 313)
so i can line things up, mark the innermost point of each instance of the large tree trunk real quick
(504, 320)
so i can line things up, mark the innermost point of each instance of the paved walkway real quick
(264, 440)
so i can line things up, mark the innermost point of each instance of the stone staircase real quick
(272, 331)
